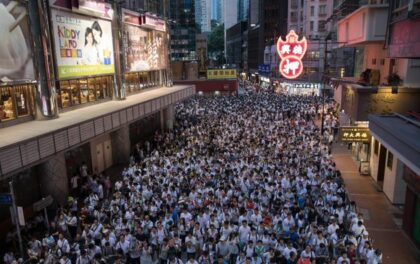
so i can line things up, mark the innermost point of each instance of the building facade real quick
(203, 15)
(73, 94)
(235, 44)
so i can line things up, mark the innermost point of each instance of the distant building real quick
(183, 30)
(235, 44)
(243, 10)
(216, 10)
(203, 14)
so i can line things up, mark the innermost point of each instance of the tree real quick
(216, 41)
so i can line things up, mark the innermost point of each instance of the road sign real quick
(6, 198)
(44, 203)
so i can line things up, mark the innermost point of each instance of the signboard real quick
(83, 45)
(96, 8)
(354, 134)
(5, 198)
(144, 50)
(153, 22)
(16, 62)
(21, 216)
(263, 68)
(291, 52)
(221, 74)
(44, 203)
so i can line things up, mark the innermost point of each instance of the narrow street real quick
(381, 217)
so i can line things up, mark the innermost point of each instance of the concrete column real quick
(168, 118)
(53, 178)
(121, 145)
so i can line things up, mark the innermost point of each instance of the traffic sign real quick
(6, 198)
(44, 203)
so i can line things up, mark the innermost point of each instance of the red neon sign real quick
(291, 52)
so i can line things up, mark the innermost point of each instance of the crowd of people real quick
(246, 179)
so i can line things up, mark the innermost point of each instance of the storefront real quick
(301, 88)
(145, 51)
(411, 219)
(265, 82)
(359, 139)
(17, 73)
(84, 60)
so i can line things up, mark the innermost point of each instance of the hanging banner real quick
(291, 52)
(16, 62)
(83, 45)
(221, 74)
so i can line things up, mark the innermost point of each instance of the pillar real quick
(53, 179)
(121, 145)
(168, 118)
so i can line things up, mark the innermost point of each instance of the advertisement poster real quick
(83, 45)
(145, 50)
(16, 62)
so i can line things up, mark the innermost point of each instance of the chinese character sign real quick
(291, 52)
(355, 134)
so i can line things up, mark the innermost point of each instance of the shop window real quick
(7, 109)
(92, 89)
(22, 99)
(84, 91)
(390, 160)
(376, 147)
(75, 92)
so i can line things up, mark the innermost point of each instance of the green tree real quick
(216, 41)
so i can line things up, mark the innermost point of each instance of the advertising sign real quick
(291, 52)
(263, 68)
(221, 74)
(83, 45)
(96, 8)
(144, 50)
(16, 62)
(354, 134)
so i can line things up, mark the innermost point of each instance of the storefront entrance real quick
(76, 157)
(137, 81)
(81, 91)
(16, 102)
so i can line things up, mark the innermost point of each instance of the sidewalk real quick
(378, 212)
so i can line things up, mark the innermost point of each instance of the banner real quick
(16, 62)
(221, 74)
(83, 45)
(144, 50)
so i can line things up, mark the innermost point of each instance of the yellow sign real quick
(354, 134)
(221, 74)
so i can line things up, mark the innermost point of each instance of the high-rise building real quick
(230, 13)
(203, 14)
(243, 10)
(216, 10)
(183, 30)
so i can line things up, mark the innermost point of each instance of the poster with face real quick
(16, 62)
(83, 45)
(145, 50)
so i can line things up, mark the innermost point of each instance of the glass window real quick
(92, 89)
(322, 10)
(22, 98)
(7, 109)
(312, 10)
(84, 91)
(376, 147)
(311, 25)
(65, 94)
(75, 92)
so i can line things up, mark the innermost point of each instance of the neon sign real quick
(291, 52)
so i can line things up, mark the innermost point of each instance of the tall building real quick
(243, 10)
(309, 19)
(203, 14)
(183, 30)
(229, 12)
(216, 10)
(267, 21)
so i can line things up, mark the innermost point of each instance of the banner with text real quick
(221, 74)
(83, 45)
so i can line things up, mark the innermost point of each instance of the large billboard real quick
(16, 62)
(83, 45)
(145, 49)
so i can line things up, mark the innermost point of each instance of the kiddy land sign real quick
(291, 52)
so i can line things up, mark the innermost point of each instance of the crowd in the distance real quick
(245, 179)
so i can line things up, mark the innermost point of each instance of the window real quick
(376, 147)
(322, 10)
(15, 101)
(321, 25)
(382, 61)
(373, 61)
(312, 10)
(390, 160)
(311, 25)
(7, 109)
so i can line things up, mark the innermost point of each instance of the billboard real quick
(221, 74)
(83, 45)
(354, 134)
(144, 50)
(16, 62)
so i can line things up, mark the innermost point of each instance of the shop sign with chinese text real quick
(354, 134)
(291, 52)
(221, 74)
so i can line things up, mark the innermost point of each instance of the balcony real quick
(367, 24)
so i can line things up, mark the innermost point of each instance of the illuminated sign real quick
(354, 134)
(291, 52)
(221, 74)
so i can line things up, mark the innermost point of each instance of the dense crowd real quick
(245, 179)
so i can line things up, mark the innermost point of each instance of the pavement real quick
(382, 219)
